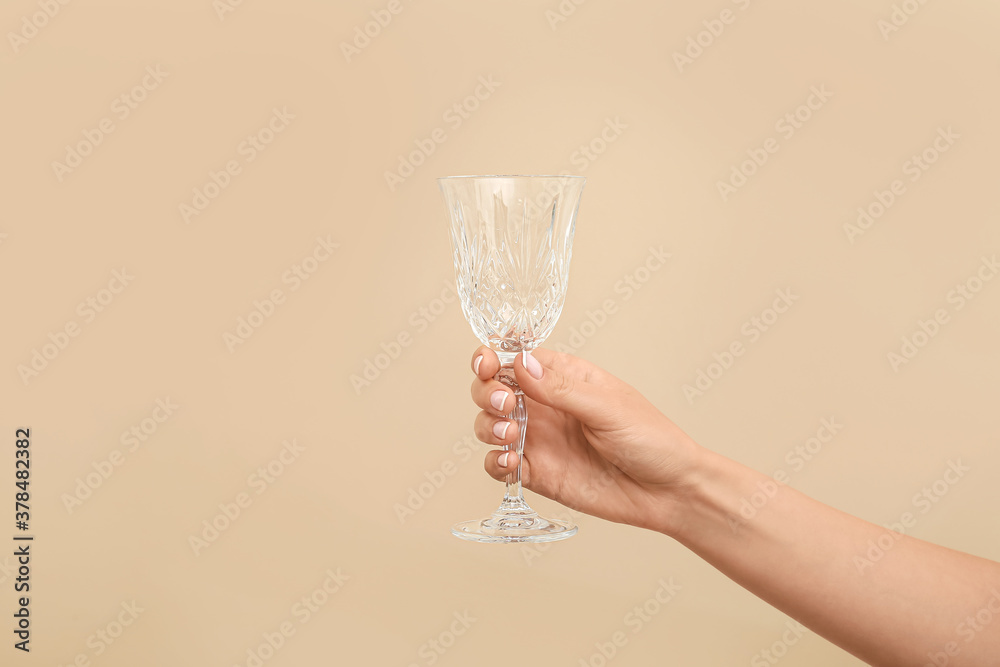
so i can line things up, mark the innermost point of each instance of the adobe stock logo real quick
(456, 115)
(968, 629)
(420, 320)
(230, 511)
(434, 648)
(562, 12)
(959, 296)
(102, 639)
(265, 308)
(629, 284)
(900, 16)
(59, 340)
(363, 35)
(303, 611)
(779, 648)
(714, 27)
(787, 126)
(249, 149)
(121, 107)
(796, 458)
(434, 480)
(138, 434)
(924, 501)
(636, 619)
(752, 328)
(914, 167)
(223, 7)
(30, 25)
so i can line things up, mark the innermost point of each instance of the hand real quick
(593, 443)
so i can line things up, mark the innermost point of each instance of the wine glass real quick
(512, 238)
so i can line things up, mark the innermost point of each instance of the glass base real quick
(514, 524)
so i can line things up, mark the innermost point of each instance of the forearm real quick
(810, 561)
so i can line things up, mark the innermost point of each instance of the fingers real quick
(485, 363)
(575, 367)
(500, 472)
(496, 400)
(590, 402)
(555, 379)
(494, 431)
(489, 394)
(492, 396)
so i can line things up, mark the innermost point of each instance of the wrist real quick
(706, 497)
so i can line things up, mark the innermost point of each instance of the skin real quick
(598, 446)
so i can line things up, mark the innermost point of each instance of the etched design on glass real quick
(512, 253)
(512, 238)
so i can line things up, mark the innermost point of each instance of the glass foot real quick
(506, 525)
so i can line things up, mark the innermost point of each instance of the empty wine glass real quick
(512, 238)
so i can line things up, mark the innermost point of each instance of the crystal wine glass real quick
(512, 238)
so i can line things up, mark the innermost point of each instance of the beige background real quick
(364, 452)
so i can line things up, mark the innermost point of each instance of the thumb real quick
(590, 403)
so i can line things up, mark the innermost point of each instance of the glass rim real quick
(573, 176)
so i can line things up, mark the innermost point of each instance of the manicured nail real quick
(498, 398)
(531, 364)
(500, 429)
(475, 364)
(502, 459)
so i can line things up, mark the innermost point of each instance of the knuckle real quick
(560, 385)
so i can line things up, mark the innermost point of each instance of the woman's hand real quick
(596, 445)
(593, 443)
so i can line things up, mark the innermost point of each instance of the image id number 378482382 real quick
(22, 545)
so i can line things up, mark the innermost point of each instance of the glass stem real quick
(513, 497)
(513, 493)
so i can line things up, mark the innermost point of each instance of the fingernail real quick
(531, 364)
(500, 429)
(502, 459)
(498, 398)
(475, 364)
